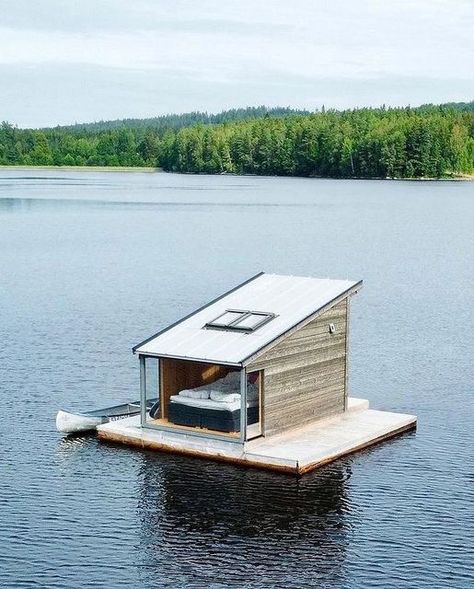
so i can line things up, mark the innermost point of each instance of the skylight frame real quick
(234, 324)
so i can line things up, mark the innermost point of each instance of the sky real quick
(66, 61)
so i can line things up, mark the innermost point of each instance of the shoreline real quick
(150, 170)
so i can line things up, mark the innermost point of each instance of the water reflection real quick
(73, 442)
(70, 450)
(19, 205)
(198, 518)
(24, 205)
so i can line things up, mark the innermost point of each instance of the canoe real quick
(68, 422)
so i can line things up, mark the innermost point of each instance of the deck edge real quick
(262, 462)
(308, 467)
(138, 442)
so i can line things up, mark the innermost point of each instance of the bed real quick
(214, 407)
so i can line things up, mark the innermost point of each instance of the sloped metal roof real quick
(294, 300)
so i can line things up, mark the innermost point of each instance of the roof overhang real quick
(190, 359)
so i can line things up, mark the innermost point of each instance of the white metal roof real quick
(293, 299)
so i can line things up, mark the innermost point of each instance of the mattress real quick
(209, 414)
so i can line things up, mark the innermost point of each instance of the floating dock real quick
(298, 451)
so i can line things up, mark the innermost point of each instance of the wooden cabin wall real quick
(176, 375)
(305, 374)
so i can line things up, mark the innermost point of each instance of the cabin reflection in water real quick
(199, 517)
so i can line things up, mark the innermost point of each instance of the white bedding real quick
(209, 403)
(224, 397)
(224, 391)
(198, 393)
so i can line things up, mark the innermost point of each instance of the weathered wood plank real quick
(346, 368)
(305, 374)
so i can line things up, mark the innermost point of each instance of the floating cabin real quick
(258, 376)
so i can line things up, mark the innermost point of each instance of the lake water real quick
(92, 263)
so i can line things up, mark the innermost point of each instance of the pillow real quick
(224, 397)
(195, 393)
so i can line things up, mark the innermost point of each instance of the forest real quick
(426, 142)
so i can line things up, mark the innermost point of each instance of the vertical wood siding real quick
(305, 374)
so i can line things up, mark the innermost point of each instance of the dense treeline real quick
(402, 143)
(177, 121)
(430, 141)
(460, 106)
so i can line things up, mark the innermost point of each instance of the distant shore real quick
(148, 170)
(83, 168)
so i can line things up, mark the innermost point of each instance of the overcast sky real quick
(63, 61)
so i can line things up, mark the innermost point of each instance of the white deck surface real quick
(298, 451)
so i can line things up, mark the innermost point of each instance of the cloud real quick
(212, 55)
(38, 95)
(89, 16)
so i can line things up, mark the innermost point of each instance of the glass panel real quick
(251, 321)
(254, 404)
(243, 320)
(227, 318)
(151, 367)
(199, 397)
(151, 384)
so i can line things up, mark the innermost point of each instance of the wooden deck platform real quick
(298, 451)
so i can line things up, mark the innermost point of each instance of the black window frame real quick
(244, 314)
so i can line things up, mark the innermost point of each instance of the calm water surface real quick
(92, 263)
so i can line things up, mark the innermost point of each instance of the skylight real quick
(236, 320)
